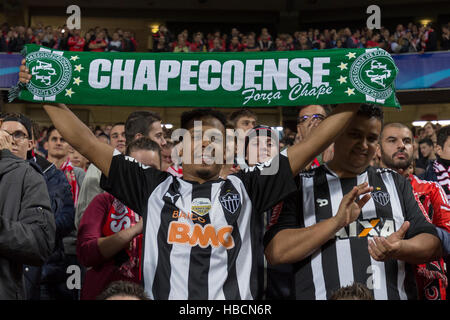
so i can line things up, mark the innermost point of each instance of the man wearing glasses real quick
(27, 225)
(309, 117)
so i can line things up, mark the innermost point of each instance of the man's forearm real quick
(420, 249)
(304, 152)
(293, 245)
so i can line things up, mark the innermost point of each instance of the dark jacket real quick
(54, 270)
(27, 226)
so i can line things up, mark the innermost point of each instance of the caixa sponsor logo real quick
(367, 228)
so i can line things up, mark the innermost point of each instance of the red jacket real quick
(76, 43)
(431, 278)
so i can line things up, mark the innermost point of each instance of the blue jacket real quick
(53, 271)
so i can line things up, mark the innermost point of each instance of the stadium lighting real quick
(424, 22)
(154, 27)
(168, 125)
(422, 123)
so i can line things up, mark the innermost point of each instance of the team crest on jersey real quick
(381, 197)
(201, 206)
(230, 201)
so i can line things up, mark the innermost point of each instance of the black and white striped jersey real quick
(200, 240)
(345, 259)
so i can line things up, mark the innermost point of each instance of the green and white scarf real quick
(244, 79)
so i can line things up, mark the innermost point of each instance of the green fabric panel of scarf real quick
(243, 79)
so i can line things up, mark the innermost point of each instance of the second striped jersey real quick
(345, 258)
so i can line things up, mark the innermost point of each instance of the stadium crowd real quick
(104, 238)
(410, 38)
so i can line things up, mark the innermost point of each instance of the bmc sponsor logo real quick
(193, 235)
(367, 228)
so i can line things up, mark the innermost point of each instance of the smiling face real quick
(356, 146)
(396, 148)
(206, 154)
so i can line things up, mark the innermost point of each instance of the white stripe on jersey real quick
(245, 256)
(378, 272)
(369, 210)
(218, 270)
(397, 214)
(309, 220)
(152, 222)
(379, 280)
(180, 254)
(344, 258)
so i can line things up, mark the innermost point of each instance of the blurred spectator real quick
(77, 159)
(217, 46)
(198, 45)
(235, 45)
(181, 45)
(374, 41)
(251, 44)
(98, 44)
(414, 38)
(265, 44)
(161, 45)
(426, 149)
(76, 42)
(280, 45)
(445, 42)
(115, 45)
(430, 131)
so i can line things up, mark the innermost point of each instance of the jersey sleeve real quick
(441, 207)
(413, 214)
(132, 182)
(268, 183)
(290, 217)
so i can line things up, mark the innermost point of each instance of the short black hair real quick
(243, 112)
(427, 141)
(22, 119)
(442, 135)
(125, 288)
(49, 131)
(139, 122)
(326, 107)
(371, 111)
(118, 124)
(188, 117)
(356, 291)
(143, 143)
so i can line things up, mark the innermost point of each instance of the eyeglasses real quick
(313, 117)
(17, 135)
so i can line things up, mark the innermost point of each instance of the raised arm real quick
(75, 132)
(304, 152)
